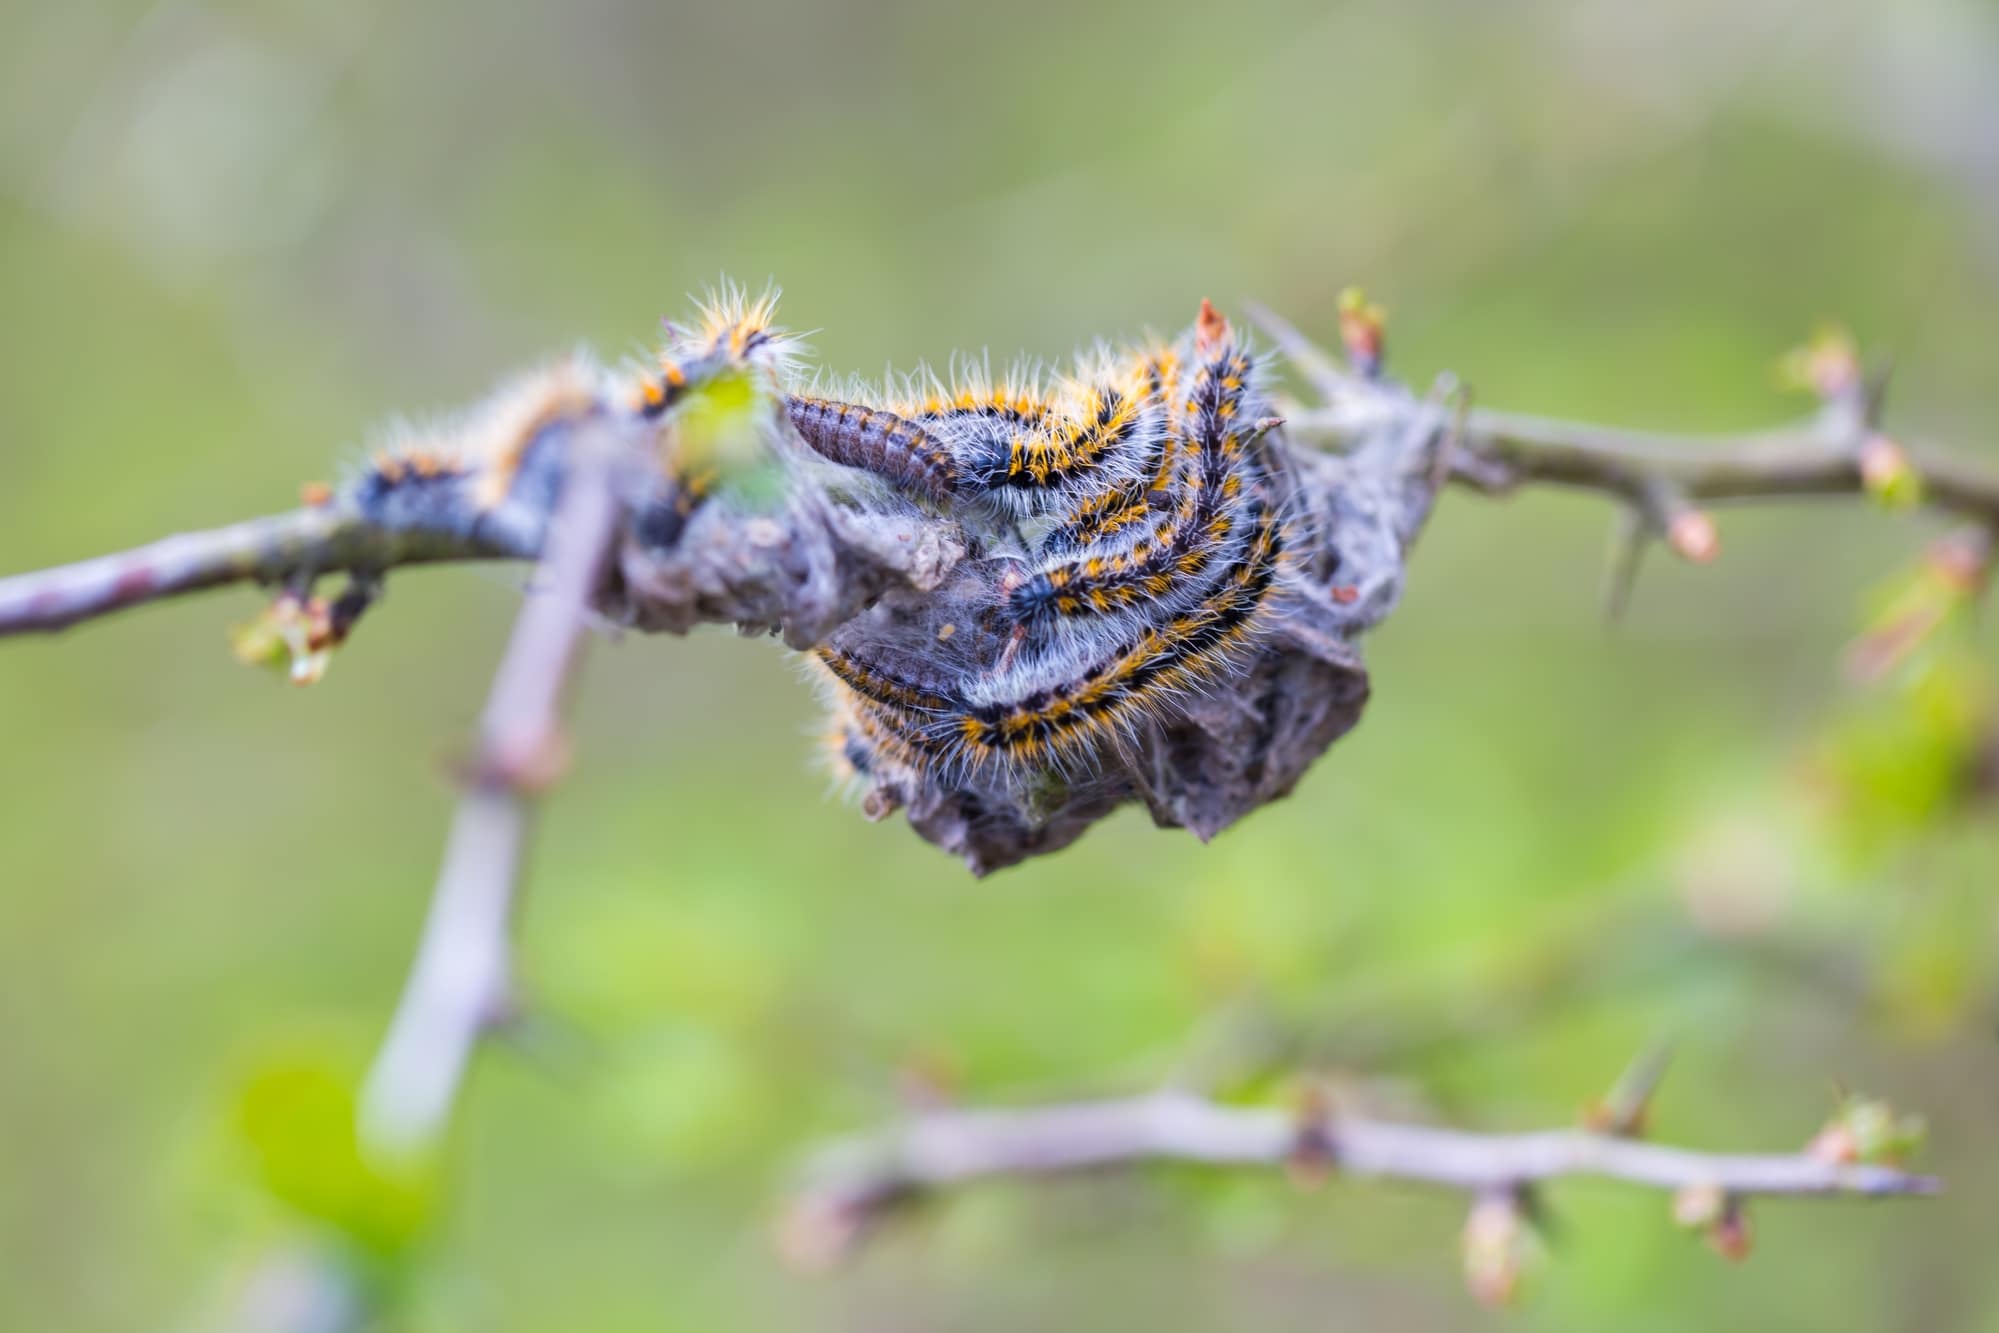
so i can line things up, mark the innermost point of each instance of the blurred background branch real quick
(856, 1185)
(461, 983)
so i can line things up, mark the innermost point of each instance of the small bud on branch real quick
(856, 1183)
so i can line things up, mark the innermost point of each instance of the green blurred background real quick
(239, 236)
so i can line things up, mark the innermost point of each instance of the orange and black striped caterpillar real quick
(1126, 529)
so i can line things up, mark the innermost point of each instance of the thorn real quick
(1534, 1210)
(1459, 395)
(346, 610)
(1312, 361)
(1629, 536)
(1874, 383)
(1624, 1111)
(1731, 1236)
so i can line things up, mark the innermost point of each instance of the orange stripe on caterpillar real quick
(1060, 453)
(1072, 718)
(1195, 647)
(1175, 550)
(513, 418)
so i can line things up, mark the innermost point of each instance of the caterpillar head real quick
(719, 395)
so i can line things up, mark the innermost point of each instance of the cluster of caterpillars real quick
(1128, 531)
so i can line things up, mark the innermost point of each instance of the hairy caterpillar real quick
(1126, 528)
(1161, 554)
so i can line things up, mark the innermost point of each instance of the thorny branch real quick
(1660, 477)
(854, 1186)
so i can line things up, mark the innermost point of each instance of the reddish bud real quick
(1693, 536)
(1496, 1248)
(294, 634)
(1210, 329)
(1364, 330)
(1828, 365)
(1718, 1215)
(1887, 474)
(1834, 1144)
(1731, 1236)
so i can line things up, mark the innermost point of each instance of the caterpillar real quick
(1127, 527)
(1160, 565)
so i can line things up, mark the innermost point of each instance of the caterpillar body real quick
(1128, 528)
(1160, 562)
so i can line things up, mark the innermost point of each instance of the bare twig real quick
(461, 982)
(1821, 457)
(855, 1183)
(304, 543)
(1658, 474)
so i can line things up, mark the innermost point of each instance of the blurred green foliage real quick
(234, 234)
